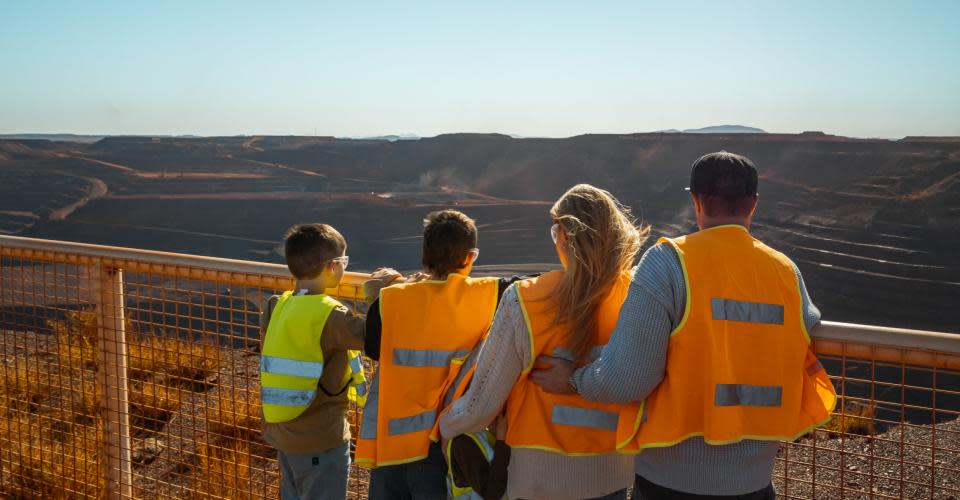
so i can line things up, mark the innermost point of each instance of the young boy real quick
(310, 368)
(421, 334)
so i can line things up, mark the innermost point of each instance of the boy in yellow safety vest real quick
(310, 367)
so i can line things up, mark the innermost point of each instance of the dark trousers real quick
(421, 480)
(645, 490)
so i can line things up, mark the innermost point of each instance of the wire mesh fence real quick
(128, 373)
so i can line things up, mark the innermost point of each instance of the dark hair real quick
(310, 247)
(447, 237)
(724, 206)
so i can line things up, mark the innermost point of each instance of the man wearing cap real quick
(712, 342)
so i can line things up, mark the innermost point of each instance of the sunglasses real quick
(344, 261)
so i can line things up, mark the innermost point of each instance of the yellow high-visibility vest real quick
(291, 360)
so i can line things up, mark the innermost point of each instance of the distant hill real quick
(725, 129)
(55, 137)
(82, 138)
(389, 138)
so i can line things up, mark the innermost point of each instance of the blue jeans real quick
(421, 480)
(312, 476)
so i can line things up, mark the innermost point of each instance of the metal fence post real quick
(112, 377)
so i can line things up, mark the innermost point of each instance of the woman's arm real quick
(499, 364)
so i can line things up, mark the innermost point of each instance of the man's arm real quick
(811, 314)
(632, 364)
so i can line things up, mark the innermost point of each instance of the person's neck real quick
(312, 286)
(724, 221)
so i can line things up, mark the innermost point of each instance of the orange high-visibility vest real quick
(428, 329)
(566, 424)
(739, 364)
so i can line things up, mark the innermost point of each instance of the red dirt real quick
(96, 189)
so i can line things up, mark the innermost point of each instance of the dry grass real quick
(223, 470)
(151, 355)
(236, 415)
(857, 418)
(50, 398)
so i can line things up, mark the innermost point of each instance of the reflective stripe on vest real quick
(426, 357)
(584, 417)
(740, 362)
(565, 424)
(368, 424)
(293, 367)
(750, 312)
(286, 397)
(747, 395)
(413, 423)
(428, 328)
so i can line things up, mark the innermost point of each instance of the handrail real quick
(830, 337)
(228, 271)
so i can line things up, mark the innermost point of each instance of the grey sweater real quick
(637, 353)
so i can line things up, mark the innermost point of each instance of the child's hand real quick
(415, 277)
(381, 278)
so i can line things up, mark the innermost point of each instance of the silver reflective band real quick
(368, 426)
(750, 312)
(583, 417)
(425, 357)
(355, 365)
(413, 423)
(481, 438)
(285, 397)
(814, 368)
(294, 367)
(748, 395)
(452, 390)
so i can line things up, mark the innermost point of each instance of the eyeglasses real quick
(344, 261)
(555, 232)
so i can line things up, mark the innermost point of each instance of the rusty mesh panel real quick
(51, 430)
(895, 434)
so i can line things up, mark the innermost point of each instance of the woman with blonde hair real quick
(562, 445)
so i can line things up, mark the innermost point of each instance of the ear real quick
(697, 207)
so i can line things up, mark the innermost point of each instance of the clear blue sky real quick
(552, 68)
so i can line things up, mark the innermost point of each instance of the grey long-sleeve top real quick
(531, 473)
(632, 364)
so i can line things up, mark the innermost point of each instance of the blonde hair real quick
(602, 242)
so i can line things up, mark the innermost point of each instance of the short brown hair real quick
(310, 247)
(447, 237)
(722, 206)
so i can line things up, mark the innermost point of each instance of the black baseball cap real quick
(723, 174)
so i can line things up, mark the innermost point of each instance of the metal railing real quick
(132, 373)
